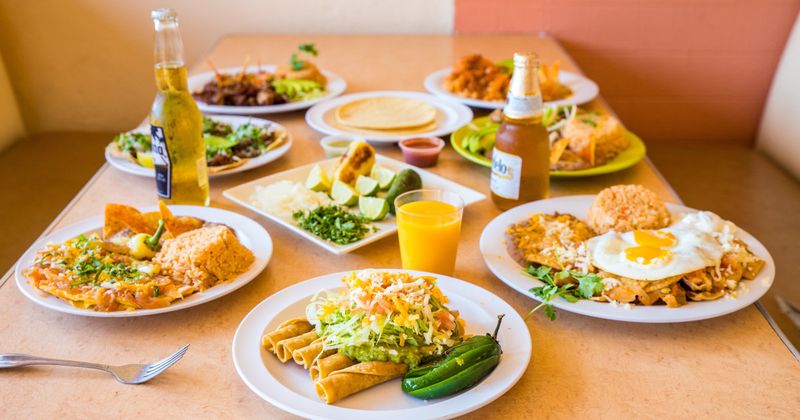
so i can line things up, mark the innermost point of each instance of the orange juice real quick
(429, 233)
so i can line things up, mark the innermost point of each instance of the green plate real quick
(627, 158)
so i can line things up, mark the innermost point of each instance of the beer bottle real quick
(176, 125)
(521, 155)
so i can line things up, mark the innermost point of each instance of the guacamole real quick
(410, 355)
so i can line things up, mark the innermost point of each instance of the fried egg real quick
(654, 254)
(708, 222)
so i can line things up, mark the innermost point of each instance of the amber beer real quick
(521, 155)
(176, 124)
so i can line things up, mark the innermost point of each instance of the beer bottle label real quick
(506, 172)
(162, 163)
(522, 106)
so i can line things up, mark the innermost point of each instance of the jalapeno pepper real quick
(462, 366)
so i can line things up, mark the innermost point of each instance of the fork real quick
(127, 374)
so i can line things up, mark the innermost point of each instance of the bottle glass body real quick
(176, 122)
(521, 155)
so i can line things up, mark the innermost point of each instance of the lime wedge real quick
(373, 208)
(384, 176)
(317, 180)
(145, 159)
(343, 194)
(366, 186)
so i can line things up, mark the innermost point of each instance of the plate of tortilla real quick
(388, 116)
(269, 346)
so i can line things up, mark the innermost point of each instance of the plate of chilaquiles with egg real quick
(625, 255)
(134, 262)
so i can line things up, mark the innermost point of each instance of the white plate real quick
(453, 115)
(494, 252)
(251, 234)
(289, 387)
(126, 165)
(241, 194)
(336, 85)
(583, 90)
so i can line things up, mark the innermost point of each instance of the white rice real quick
(286, 197)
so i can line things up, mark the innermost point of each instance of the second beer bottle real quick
(521, 155)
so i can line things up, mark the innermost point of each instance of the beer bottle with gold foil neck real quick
(176, 125)
(521, 155)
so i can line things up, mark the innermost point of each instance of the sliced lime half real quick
(373, 208)
(383, 175)
(343, 194)
(317, 180)
(366, 186)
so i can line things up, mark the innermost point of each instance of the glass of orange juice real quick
(429, 226)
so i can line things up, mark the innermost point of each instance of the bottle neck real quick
(168, 46)
(524, 96)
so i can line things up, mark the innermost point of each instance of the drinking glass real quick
(428, 227)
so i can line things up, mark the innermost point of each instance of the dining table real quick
(733, 366)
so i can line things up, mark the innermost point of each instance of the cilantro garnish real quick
(308, 48)
(333, 223)
(589, 284)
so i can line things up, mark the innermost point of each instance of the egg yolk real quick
(657, 239)
(646, 254)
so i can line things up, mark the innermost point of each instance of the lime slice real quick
(373, 208)
(343, 194)
(366, 186)
(384, 176)
(317, 180)
(145, 159)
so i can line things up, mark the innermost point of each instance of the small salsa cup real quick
(421, 151)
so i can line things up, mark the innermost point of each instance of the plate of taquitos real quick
(279, 354)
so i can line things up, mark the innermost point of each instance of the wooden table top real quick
(733, 366)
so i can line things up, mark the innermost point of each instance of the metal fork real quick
(127, 374)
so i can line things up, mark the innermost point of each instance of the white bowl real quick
(331, 150)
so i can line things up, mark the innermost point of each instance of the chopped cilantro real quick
(589, 284)
(333, 223)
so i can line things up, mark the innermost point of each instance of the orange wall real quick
(672, 69)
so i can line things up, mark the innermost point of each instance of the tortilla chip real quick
(152, 218)
(119, 217)
(557, 149)
(177, 225)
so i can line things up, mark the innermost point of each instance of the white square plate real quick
(241, 195)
